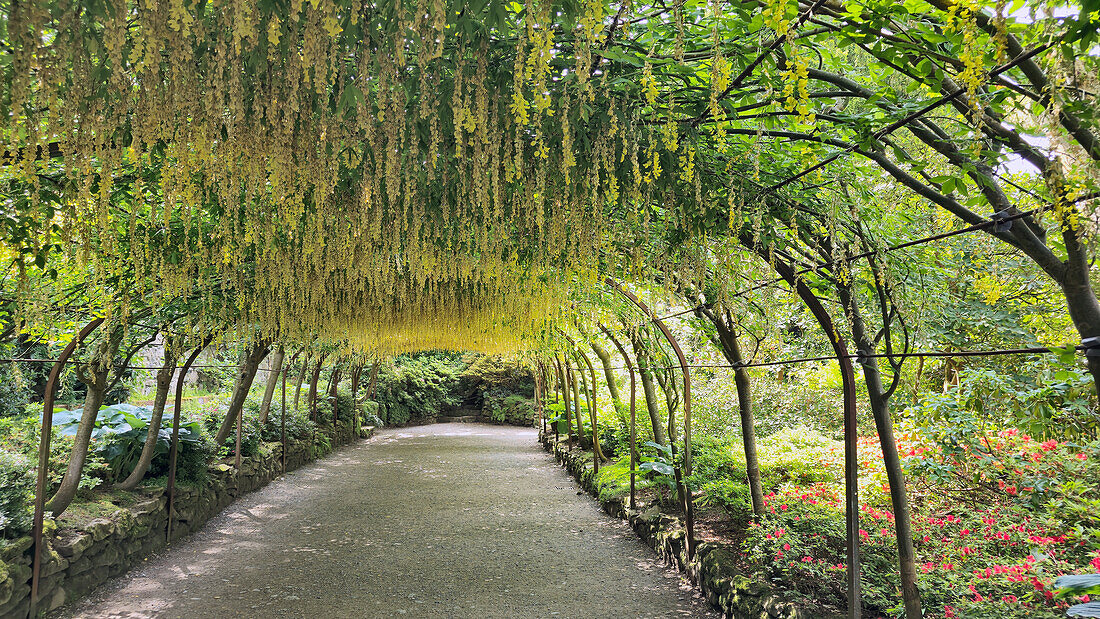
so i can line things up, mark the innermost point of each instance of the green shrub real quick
(416, 387)
(1047, 403)
(799, 454)
(21, 435)
(119, 436)
(17, 479)
(370, 414)
(514, 409)
(14, 388)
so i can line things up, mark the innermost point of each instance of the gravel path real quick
(448, 520)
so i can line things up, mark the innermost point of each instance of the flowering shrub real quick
(997, 516)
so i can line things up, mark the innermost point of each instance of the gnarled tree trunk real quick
(646, 375)
(298, 384)
(164, 383)
(609, 377)
(272, 383)
(246, 372)
(728, 343)
(95, 376)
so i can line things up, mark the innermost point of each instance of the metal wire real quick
(859, 357)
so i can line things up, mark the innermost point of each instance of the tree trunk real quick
(333, 383)
(1081, 299)
(313, 388)
(576, 398)
(880, 410)
(298, 384)
(667, 385)
(373, 380)
(164, 383)
(609, 376)
(731, 349)
(563, 377)
(646, 376)
(96, 379)
(272, 383)
(730, 346)
(590, 395)
(246, 372)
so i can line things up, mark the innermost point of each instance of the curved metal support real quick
(851, 461)
(689, 512)
(44, 457)
(173, 449)
(633, 431)
(282, 420)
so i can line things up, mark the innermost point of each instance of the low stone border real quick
(75, 561)
(713, 569)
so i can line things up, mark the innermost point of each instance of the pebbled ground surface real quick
(447, 520)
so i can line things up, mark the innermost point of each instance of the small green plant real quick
(659, 466)
(120, 432)
(16, 488)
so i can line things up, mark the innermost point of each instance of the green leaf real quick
(662, 468)
(1081, 584)
(1089, 609)
(1066, 354)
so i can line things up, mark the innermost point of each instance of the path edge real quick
(713, 570)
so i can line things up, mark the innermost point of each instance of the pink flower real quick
(1081, 456)
(786, 546)
(1095, 563)
(1049, 445)
(1011, 599)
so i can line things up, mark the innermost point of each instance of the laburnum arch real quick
(375, 178)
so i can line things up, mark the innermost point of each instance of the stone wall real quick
(714, 567)
(75, 561)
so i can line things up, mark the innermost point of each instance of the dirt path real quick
(449, 520)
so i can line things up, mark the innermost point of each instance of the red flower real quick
(1049, 445)
(786, 546)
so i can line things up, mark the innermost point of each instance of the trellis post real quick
(689, 515)
(633, 432)
(173, 449)
(44, 457)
